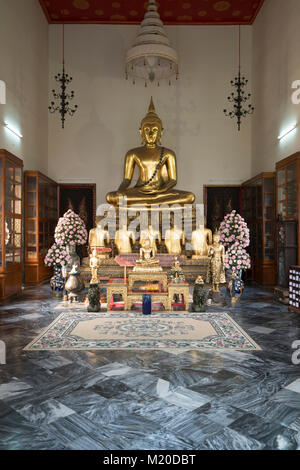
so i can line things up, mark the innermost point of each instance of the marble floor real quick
(151, 399)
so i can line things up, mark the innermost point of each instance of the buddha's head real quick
(151, 127)
(216, 237)
(146, 243)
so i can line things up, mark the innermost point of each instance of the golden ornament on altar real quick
(157, 170)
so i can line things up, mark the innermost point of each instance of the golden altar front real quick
(147, 277)
(164, 294)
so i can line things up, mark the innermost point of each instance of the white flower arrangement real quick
(57, 254)
(235, 236)
(70, 230)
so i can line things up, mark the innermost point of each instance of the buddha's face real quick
(147, 244)
(216, 238)
(151, 133)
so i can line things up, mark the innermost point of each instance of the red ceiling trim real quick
(45, 10)
(258, 10)
(166, 22)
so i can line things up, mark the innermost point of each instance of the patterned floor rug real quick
(132, 330)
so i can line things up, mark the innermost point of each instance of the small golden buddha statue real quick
(201, 239)
(123, 240)
(147, 260)
(157, 170)
(216, 268)
(94, 264)
(98, 237)
(152, 235)
(176, 274)
(174, 237)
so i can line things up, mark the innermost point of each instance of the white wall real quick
(93, 144)
(276, 64)
(24, 68)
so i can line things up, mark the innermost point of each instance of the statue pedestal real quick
(111, 268)
(218, 299)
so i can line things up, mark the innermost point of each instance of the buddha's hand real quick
(166, 187)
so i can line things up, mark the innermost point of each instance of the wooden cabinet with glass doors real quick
(40, 222)
(288, 208)
(258, 209)
(11, 176)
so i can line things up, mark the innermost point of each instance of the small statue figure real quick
(173, 239)
(74, 284)
(201, 239)
(176, 273)
(199, 296)
(123, 240)
(216, 268)
(151, 235)
(94, 264)
(147, 260)
(94, 298)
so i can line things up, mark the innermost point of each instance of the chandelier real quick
(240, 98)
(64, 98)
(152, 58)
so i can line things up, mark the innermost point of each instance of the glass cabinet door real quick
(41, 215)
(13, 213)
(291, 190)
(269, 219)
(281, 193)
(31, 214)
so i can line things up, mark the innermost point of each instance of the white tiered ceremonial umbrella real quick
(152, 58)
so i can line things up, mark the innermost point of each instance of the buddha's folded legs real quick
(138, 197)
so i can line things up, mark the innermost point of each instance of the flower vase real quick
(74, 284)
(71, 250)
(236, 286)
(146, 304)
(57, 282)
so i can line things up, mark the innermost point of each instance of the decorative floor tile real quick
(45, 413)
(228, 439)
(13, 389)
(262, 330)
(294, 386)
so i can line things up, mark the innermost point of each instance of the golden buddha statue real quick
(157, 170)
(152, 235)
(173, 239)
(123, 240)
(201, 239)
(216, 268)
(147, 260)
(98, 237)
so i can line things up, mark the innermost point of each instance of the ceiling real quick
(202, 12)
